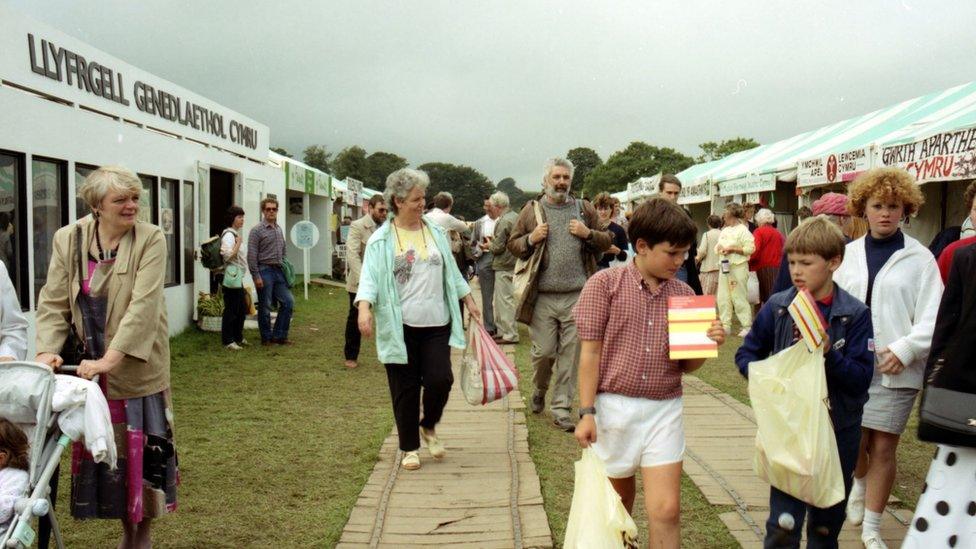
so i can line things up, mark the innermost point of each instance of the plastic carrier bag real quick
(752, 288)
(796, 450)
(487, 374)
(597, 517)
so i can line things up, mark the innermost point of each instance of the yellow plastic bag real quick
(597, 518)
(795, 446)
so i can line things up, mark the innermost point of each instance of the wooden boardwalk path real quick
(721, 434)
(485, 493)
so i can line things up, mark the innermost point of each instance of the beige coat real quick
(136, 322)
(359, 233)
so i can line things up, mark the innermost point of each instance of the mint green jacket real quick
(378, 287)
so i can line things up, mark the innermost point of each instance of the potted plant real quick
(210, 311)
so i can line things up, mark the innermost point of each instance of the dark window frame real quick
(189, 267)
(78, 201)
(62, 171)
(176, 252)
(20, 227)
(153, 197)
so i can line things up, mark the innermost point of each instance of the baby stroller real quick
(27, 392)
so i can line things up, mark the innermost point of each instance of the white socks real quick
(857, 489)
(872, 522)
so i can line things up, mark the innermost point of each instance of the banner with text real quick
(833, 168)
(945, 156)
(748, 184)
(695, 194)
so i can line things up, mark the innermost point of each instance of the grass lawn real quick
(914, 456)
(275, 443)
(554, 452)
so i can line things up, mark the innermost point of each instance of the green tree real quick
(585, 160)
(281, 151)
(381, 164)
(317, 157)
(516, 196)
(350, 162)
(468, 186)
(714, 151)
(639, 159)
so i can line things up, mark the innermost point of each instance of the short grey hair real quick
(499, 200)
(106, 179)
(562, 162)
(764, 215)
(401, 182)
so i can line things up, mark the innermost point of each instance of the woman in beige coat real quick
(112, 294)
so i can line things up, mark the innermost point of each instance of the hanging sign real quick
(833, 168)
(748, 184)
(295, 177)
(945, 156)
(695, 194)
(323, 184)
(643, 187)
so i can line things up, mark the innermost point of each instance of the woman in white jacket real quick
(897, 277)
(13, 324)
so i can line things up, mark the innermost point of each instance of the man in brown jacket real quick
(359, 233)
(574, 240)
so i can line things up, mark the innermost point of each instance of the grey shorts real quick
(887, 410)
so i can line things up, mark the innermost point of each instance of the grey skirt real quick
(887, 410)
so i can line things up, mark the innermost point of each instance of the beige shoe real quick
(410, 461)
(351, 364)
(434, 445)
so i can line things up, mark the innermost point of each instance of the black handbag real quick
(947, 416)
(74, 350)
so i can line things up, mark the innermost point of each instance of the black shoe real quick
(565, 424)
(538, 402)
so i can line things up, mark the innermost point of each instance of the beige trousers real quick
(555, 349)
(504, 304)
(732, 296)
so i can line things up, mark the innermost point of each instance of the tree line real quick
(469, 186)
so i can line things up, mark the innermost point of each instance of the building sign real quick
(748, 184)
(945, 156)
(294, 177)
(833, 168)
(56, 64)
(643, 187)
(323, 184)
(694, 194)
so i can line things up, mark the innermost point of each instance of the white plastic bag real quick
(597, 518)
(796, 450)
(752, 288)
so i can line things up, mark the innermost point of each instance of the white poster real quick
(833, 168)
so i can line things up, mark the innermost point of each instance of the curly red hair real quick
(885, 183)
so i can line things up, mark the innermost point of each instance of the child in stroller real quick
(40, 415)
(13, 470)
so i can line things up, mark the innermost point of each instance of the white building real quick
(66, 108)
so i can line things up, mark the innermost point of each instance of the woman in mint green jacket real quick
(412, 286)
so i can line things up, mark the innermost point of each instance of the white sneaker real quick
(234, 347)
(434, 445)
(873, 541)
(855, 509)
(244, 343)
(410, 461)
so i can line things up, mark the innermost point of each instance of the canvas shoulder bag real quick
(526, 270)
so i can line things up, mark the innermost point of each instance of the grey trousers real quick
(486, 279)
(555, 349)
(504, 303)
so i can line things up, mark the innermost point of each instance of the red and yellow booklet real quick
(808, 319)
(689, 318)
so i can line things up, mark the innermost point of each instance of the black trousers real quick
(352, 330)
(235, 311)
(428, 367)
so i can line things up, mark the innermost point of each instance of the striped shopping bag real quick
(498, 373)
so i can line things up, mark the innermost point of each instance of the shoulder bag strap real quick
(538, 213)
(79, 256)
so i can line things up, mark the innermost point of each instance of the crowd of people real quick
(592, 286)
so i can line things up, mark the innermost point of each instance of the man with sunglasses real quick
(265, 254)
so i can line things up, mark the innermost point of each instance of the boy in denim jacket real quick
(815, 250)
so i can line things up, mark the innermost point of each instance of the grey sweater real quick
(564, 271)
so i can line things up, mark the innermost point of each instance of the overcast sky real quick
(501, 86)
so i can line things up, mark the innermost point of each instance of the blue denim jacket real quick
(849, 363)
(377, 286)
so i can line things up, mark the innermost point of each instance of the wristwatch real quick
(591, 410)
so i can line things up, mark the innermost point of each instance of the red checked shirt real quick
(617, 308)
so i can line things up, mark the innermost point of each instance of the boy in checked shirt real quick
(630, 391)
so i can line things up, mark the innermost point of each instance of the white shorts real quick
(638, 432)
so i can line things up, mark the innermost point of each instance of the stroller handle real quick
(72, 370)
